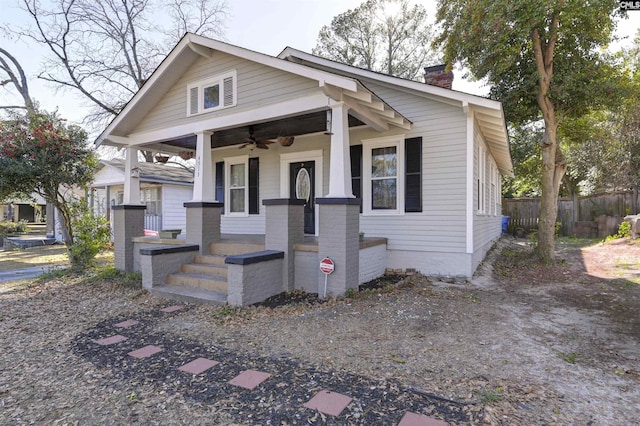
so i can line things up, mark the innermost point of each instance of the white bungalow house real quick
(297, 157)
(163, 191)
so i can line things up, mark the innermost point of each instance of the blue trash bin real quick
(505, 225)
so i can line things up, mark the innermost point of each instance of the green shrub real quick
(91, 234)
(8, 228)
(624, 230)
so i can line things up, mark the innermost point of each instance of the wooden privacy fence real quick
(524, 212)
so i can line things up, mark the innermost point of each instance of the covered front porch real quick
(272, 161)
(241, 246)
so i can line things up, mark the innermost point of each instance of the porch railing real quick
(153, 222)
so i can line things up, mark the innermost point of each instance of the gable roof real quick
(155, 173)
(487, 112)
(193, 46)
(332, 77)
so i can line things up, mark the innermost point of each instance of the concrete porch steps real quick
(209, 259)
(232, 248)
(190, 294)
(203, 282)
(216, 271)
(205, 279)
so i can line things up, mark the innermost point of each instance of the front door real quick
(301, 186)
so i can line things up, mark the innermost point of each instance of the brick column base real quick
(339, 240)
(284, 228)
(128, 222)
(203, 224)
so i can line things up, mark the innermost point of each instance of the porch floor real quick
(309, 243)
(258, 239)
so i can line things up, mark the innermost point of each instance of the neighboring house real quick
(414, 165)
(33, 211)
(163, 190)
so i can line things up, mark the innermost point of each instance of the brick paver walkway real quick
(133, 347)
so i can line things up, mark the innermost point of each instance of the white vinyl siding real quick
(173, 211)
(106, 176)
(487, 227)
(257, 85)
(440, 227)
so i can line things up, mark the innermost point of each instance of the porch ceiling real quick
(304, 124)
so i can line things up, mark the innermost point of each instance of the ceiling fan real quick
(251, 140)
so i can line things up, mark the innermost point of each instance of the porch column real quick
(339, 240)
(128, 222)
(284, 227)
(131, 178)
(51, 220)
(340, 161)
(203, 186)
(203, 211)
(128, 219)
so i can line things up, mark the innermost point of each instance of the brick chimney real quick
(437, 76)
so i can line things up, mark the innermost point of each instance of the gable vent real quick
(193, 98)
(228, 91)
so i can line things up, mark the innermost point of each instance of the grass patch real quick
(33, 256)
(110, 275)
(572, 241)
(569, 357)
(96, 275)
(487, 396)
(512, 260)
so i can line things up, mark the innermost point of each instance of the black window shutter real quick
(413, 175)
(356, 171)
(254, 205)
(220, 181)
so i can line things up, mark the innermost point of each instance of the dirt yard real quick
(521, 344)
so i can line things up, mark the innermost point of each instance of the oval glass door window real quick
(303, 185)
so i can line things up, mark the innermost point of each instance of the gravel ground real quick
(519, 344)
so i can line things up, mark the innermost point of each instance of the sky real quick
(266, 26)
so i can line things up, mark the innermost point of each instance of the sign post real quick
(326, 267)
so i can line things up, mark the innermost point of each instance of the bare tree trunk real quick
(17, 78)
(553, 164)
(552, 173)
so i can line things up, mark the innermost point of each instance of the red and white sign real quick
(327, 266)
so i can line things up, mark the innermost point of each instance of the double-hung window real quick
(383, 175)
(212, 94)
(237, 194)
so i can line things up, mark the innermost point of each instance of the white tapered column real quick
(131, 178)
(340, 162)
(203, 186)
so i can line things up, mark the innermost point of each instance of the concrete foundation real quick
(203, 224)
(339, 240)
(284, 228)
(128, 222)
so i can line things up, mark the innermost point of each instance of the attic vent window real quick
(212, 94)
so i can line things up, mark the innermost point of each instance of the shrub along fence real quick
(576, 214)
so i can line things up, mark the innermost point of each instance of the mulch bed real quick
(301, 297)
(278, 400)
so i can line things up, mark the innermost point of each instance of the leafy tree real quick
(527, 162)
(603, 146)
(544, 61)
(388, 36)
(40, 153)
(106, 50)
